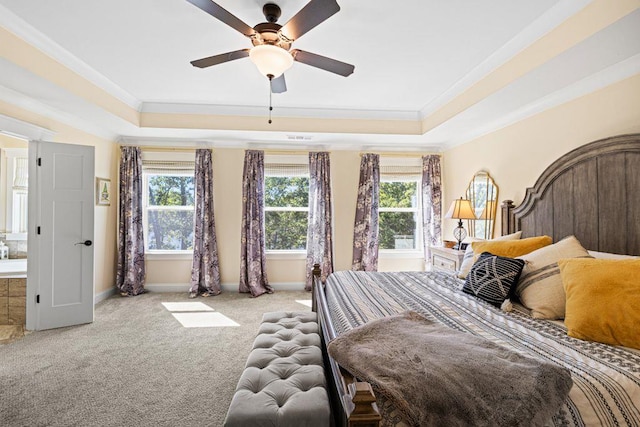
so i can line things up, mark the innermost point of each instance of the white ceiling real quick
(411, 58)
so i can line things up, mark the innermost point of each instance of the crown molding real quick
(35, 38)
(32, 105)
(24, 130)
(331, 143)
(260, 111)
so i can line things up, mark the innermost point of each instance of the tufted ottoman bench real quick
(283, 383)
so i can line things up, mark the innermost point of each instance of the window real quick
(168, 202)
(17, 178)
(286, 202)
(400, 203)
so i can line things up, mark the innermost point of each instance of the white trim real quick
(258, 111)
(33, 245)
(552, 18)
(168, 255)
(416, 210)
(145, 217)
(613, 74)
(355, 142)
(37, 39)
(20, 100)
(103, 295)
(23, 130)
(286, 254)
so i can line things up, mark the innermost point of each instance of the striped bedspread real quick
(606, 390)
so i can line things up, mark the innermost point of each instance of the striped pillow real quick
(540, 286)
(492, 277)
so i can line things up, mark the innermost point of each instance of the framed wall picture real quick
(103, 191)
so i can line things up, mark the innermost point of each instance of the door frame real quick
(31, 133)
(33, 272)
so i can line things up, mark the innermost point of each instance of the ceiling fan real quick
(271, 50)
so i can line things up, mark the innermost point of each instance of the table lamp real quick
(460, 209)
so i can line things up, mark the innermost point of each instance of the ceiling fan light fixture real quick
(271, 60)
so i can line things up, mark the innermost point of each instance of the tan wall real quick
(106, 156)
(516, 155)
(228, 164)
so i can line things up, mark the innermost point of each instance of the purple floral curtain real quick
(319, 231)
(205, 271)
(253, 259)
(130, 274)
(431, 202)
(365, 230)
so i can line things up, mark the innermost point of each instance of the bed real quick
(591, 193)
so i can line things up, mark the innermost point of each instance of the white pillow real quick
(608, 255)
(540, 286)
(467, 260)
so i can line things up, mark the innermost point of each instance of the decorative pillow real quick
(603, 297)
(492, 277)
(609, 255)
(540, 286)
(467, 260)
(511, 248)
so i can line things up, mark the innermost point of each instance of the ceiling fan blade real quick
(219, 59)
(315, 12)
(278, 85)
(224, 15)
(323, 62)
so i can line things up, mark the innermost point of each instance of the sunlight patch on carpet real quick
(187, 306)
(306, 302)
(203, 320)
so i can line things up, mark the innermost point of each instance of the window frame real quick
(281, 162)
(417, 251)
(13, 197)
(164, 253)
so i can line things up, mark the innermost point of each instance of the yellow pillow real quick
(603, 297)
(511, 248)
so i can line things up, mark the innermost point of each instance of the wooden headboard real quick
(592, 192)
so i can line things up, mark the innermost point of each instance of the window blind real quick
(399, 168)
(168, 166)
(286, 165)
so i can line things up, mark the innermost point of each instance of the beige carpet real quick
(136, 365)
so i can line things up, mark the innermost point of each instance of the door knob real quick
(86, 243)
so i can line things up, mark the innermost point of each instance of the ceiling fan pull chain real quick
(270, 76)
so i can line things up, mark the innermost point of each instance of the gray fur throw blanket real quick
(437, 376)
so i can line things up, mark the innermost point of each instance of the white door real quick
(60, 264)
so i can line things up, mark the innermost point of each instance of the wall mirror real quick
(483, 194)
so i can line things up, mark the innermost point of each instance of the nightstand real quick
(445, 259)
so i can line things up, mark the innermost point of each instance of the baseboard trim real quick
(103, 295)
(226, 287)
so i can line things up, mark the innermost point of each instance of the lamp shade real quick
(460, 209)
(270, 59)
(489, 211)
